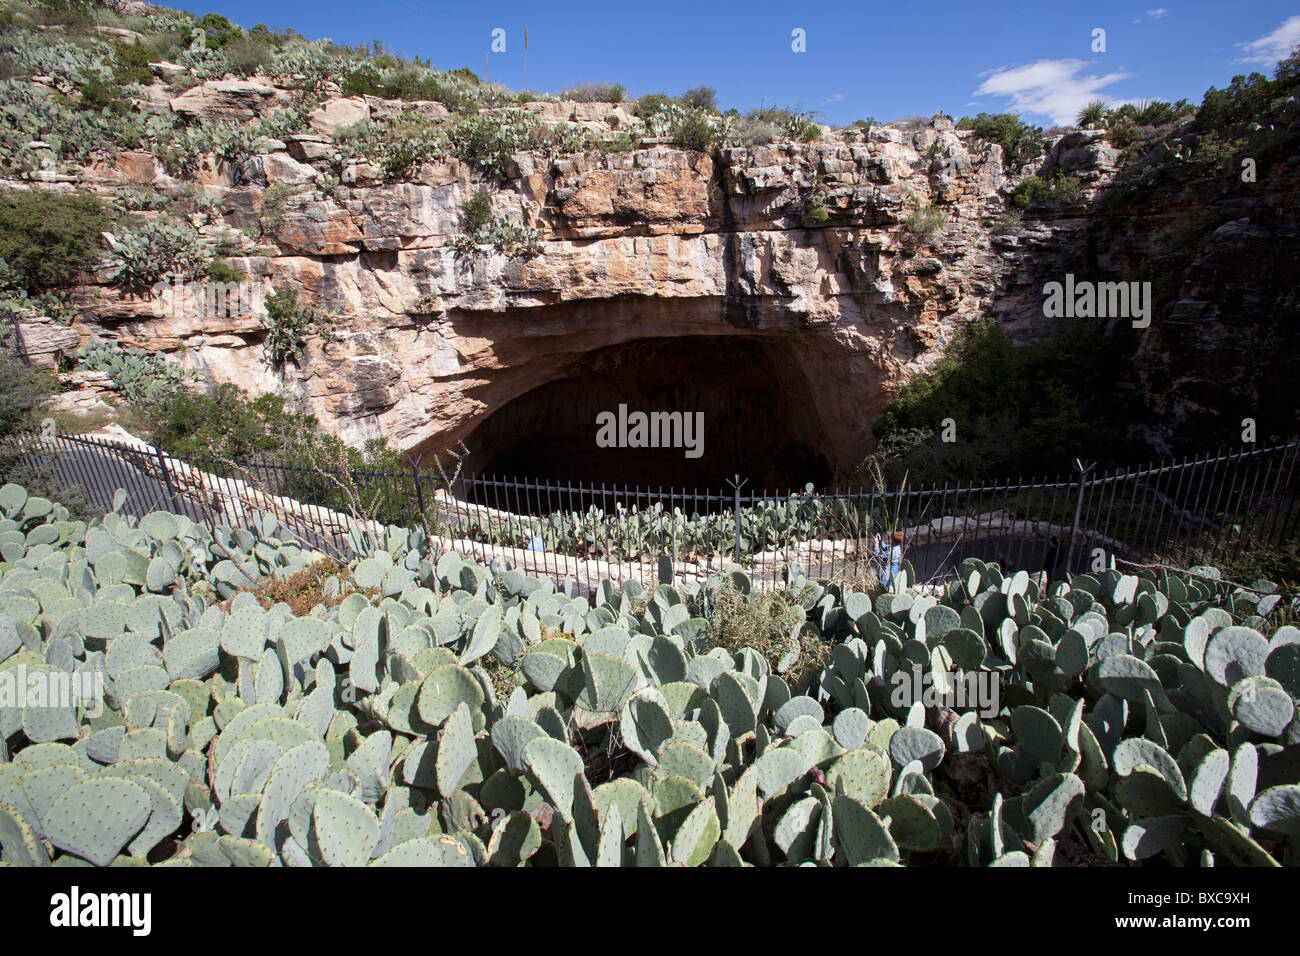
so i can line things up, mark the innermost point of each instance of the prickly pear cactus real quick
(160, 705)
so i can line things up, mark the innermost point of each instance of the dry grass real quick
(504, 678)
(863, 577)
(763, 623)
(305, 589)
(72, 422)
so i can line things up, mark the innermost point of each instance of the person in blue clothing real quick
(891, 555)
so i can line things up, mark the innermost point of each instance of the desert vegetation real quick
(392, 702)
(412, 711)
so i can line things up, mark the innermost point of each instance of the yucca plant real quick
(1095, 114)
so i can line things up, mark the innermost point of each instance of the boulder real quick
(318, 229)
(283, 168)
(45, 340)
(382, 109)
(307, 147)
(339, 114)
(227, 100)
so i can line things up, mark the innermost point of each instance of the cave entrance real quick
(749, 394)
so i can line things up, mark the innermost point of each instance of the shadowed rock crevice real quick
(750, 393)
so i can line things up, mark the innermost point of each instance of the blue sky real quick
(865, 58)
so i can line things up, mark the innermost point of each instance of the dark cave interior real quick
(758, 421)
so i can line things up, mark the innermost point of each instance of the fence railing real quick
(11, 338)
(1213, 506)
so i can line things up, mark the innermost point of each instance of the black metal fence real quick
(11, 338)
(1210, 508)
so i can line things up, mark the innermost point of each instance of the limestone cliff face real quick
(1220, 254)
(654, 244)
(647, 256)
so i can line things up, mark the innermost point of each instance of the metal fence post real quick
(735, 487)
(419, 492)
(1078, 514)
(167, 480)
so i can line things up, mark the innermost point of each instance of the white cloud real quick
(834, 98)
(1274, 46)
(1158, 13)
(1053, 88)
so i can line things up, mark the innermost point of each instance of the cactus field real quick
(433, 712)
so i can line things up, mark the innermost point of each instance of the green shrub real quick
(1020, 142)
(219, 270)
(275, 205)
(1065, 189)
(363, 81)
(47, 238)
(747, 131)
(226, 426)
(417, 83)
(1155, 112)
(475, 212)
(170, 44)
(1027, 409)
(410, 83)
(618, 143)
(694, 132)
(1124, 134)
(224, 422)
(266, 36)
(133, 61)
(922, 223)
(76, 17)
(685, 129)
(248, 57)
(217, 31)
(701, 98)
(23, 394)
(1030, 191)
(100, 95)
(595, 93)
(815, 213)
(650, 104)
(1245, 100)
(1061, 189)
